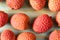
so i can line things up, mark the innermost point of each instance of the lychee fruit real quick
(55, 35)
(37, 4)
(7, 35)
(58, 18)
(26, 36)
(3, 18)
(54, 5)
(42, 23)
(20, 21)
(15, 4)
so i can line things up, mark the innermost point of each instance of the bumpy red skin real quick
(54, 5)
(3, 18)
(7, 35)
(37, 4)
(55, 35)
(15, 4)
(42, 23)
(26, 36)
(20, 21)
(58, 18)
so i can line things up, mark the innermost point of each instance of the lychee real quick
(55, 35)
(7, 35)
(15, 4)
(26, 36)
(3, 18)
(37, 4)
(42, 23)
(58, 18)
(54, 5)
(20, 21)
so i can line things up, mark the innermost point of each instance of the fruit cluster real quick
(53, 5)
(20, 21)
(9, 35)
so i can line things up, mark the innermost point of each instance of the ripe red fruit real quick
(37, 4)
(7, 35)
(58, 18)
(42, 23)
(15, 4)
(55, 35)
(3, 18)
(54, 5)
(26, 36)
(20, 21)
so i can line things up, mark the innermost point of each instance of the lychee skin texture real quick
(26, 36)
(7, 35)
(3, 18)
(15, 4)
(37, 4)
(55, 35)
(20, 21)
(54, 5)
(58, 18)
(42, 23)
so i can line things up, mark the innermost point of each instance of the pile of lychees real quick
(54, 5)
(21, 21)
(9, 35)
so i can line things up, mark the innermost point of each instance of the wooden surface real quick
(32, 14)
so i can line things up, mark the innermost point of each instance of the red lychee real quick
(26, 36)
(42, 23)
(15, 4)
(55, 35)
(7, 35)
(3, 18)
(20, 21)
(37, 4)
(58, 18)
